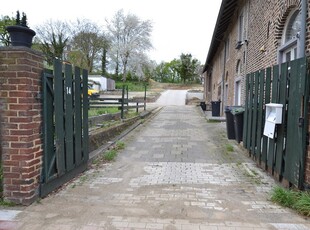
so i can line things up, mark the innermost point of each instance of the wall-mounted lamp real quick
(262, 49)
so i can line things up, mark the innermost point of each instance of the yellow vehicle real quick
(92, 93)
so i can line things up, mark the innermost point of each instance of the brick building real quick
(251, 35)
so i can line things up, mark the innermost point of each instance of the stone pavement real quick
(174, 173)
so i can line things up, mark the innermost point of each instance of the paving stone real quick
(174, 173)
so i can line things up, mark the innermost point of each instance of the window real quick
(226, 94)
(238, 92)
(293, 26)
(240, 27)
(290, 38)
(227, 49)
(238, 68)
(238, 84)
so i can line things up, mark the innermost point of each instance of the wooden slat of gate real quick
(274, 98)
(281, 135)
(69, 118)
(245, 137)
(260, 114)
(78, 116)
(267, 100)
(250, 113)
(254, 119)
(59, 117)
(48, 116)
(85, 115)
(294, 150)
(305, 86)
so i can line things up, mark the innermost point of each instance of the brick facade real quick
(20, 88)
(263, 25)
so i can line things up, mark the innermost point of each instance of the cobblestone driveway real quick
(175, 173)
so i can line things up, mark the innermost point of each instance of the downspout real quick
(246, 51)
(223, 80)
(304, 7)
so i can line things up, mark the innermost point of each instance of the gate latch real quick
(301, 122)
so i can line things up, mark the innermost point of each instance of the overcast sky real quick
(179, 26)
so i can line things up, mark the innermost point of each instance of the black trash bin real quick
(238, 123)
(203, 105)
(230, 128)
(216, 108)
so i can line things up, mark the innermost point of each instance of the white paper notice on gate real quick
(269, 129)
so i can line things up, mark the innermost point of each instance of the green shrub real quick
(110, 155)
(285, 197)
(303, 204)
(297, 200)
(229, 148)
(119, 145)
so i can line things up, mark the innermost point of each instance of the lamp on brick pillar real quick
(21, 123)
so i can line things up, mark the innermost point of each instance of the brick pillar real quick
(20, 87)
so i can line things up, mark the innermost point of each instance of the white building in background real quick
(105, 84)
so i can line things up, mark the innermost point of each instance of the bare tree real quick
(129, 36)
(91, 41)
(54, 37)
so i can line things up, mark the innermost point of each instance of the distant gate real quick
(65, 115)
(286, 84)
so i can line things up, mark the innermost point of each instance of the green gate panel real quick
(78, 116)
(59, 117)
(246, 114)
(267, 94)
(85, 115)
(294, 155)
(260, 104)
(69, 118)
(65, 128)
(250, 113)
(284, 155)
(281, 135)
(254, 114)
(49, 158)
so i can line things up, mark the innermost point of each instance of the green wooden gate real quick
(286, 84)
(65, 117)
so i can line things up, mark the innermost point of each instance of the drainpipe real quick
(304, 7)
(245, 71)
(223, 80)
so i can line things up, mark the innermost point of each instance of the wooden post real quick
(145, 97)
(122, 107)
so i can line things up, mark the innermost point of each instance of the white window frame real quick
(241, 27)
(227, 49)
(238, 91)
(292, 46)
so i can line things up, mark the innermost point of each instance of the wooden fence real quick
(123, 103)
(284, 154)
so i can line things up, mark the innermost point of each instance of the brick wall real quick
(264, 23)
(307, 163)
(20, 87)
